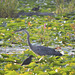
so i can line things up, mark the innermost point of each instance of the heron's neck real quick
(28, 39)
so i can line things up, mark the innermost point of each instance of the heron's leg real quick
(40, 59)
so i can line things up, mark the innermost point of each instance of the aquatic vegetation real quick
(47, 65)
(55, 31)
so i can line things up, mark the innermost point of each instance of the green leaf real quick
(52, 72)
(11, 73)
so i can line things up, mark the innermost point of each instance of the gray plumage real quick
(28, 60)
(41, 50)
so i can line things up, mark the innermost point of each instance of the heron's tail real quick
(57, 53)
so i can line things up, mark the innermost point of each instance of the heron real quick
(40, 50)
(28, 60)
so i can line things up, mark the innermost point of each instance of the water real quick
(12, 50)
(19, 50)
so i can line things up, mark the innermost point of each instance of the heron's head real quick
(20, 30)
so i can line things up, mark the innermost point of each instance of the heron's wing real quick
(46, 48)
(42, 50)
